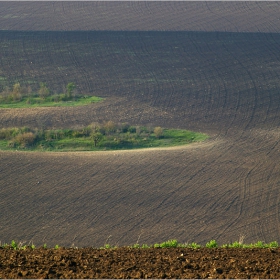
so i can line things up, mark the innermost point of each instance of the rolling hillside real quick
(211, 67)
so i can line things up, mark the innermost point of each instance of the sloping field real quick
(225, 84)
(238, 16)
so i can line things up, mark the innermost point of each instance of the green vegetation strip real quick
(22, 97)
(95, 137)
(173, 243)
(57, 100)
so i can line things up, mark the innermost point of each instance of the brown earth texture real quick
(210, 67)
(127, 263)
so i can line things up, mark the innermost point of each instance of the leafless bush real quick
(25, 139)
(158, 131)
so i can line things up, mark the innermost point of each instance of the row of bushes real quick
(108, 134)
(18, 93)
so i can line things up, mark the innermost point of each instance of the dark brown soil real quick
(140, 263)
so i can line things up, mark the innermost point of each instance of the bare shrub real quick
(109, 127)
(95, 127)
(138, 130)
(17, 92)
(5, 133)
(158, 131)
(25, 139)
(44, 91)
(86, 131)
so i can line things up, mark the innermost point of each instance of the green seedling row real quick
(172, 243)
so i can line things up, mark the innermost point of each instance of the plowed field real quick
(125, 263)
(193, 76)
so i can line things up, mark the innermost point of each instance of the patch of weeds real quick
(108, 246)
(192, 245)
(172, 243)
(14, 245)
(211, 244)
(273, 244)
(235, 244)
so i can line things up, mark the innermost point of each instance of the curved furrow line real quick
(194, 78)
(214, 102)
(91, 64)
(271, 198)
(155, 89)
(220, 16)
(4, 11)
(198, 177)
(268, 75)
(223, 112)
(204, 78)
(237, 91)
(143, 70)
(59, 15)
(258, 95)
(245, 193)
(255, 103)
(142, 16)
(209, 20)
(269, 12)
(241, 198)
(192, 81)
(63, 16)
(264, 198)
(125, 69)
(78, 69)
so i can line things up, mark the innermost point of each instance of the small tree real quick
(70, 89)
(96, 137)
(158, 131)
(43, 91)
(29, 90)
(6, 93)
(109, 127)
(25, 139)
(16, 92)
(95, 127)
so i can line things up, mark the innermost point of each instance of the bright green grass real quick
(38, 102)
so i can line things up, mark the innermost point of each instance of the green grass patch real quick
(51, 101)
(24, 97)
(95, 137)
